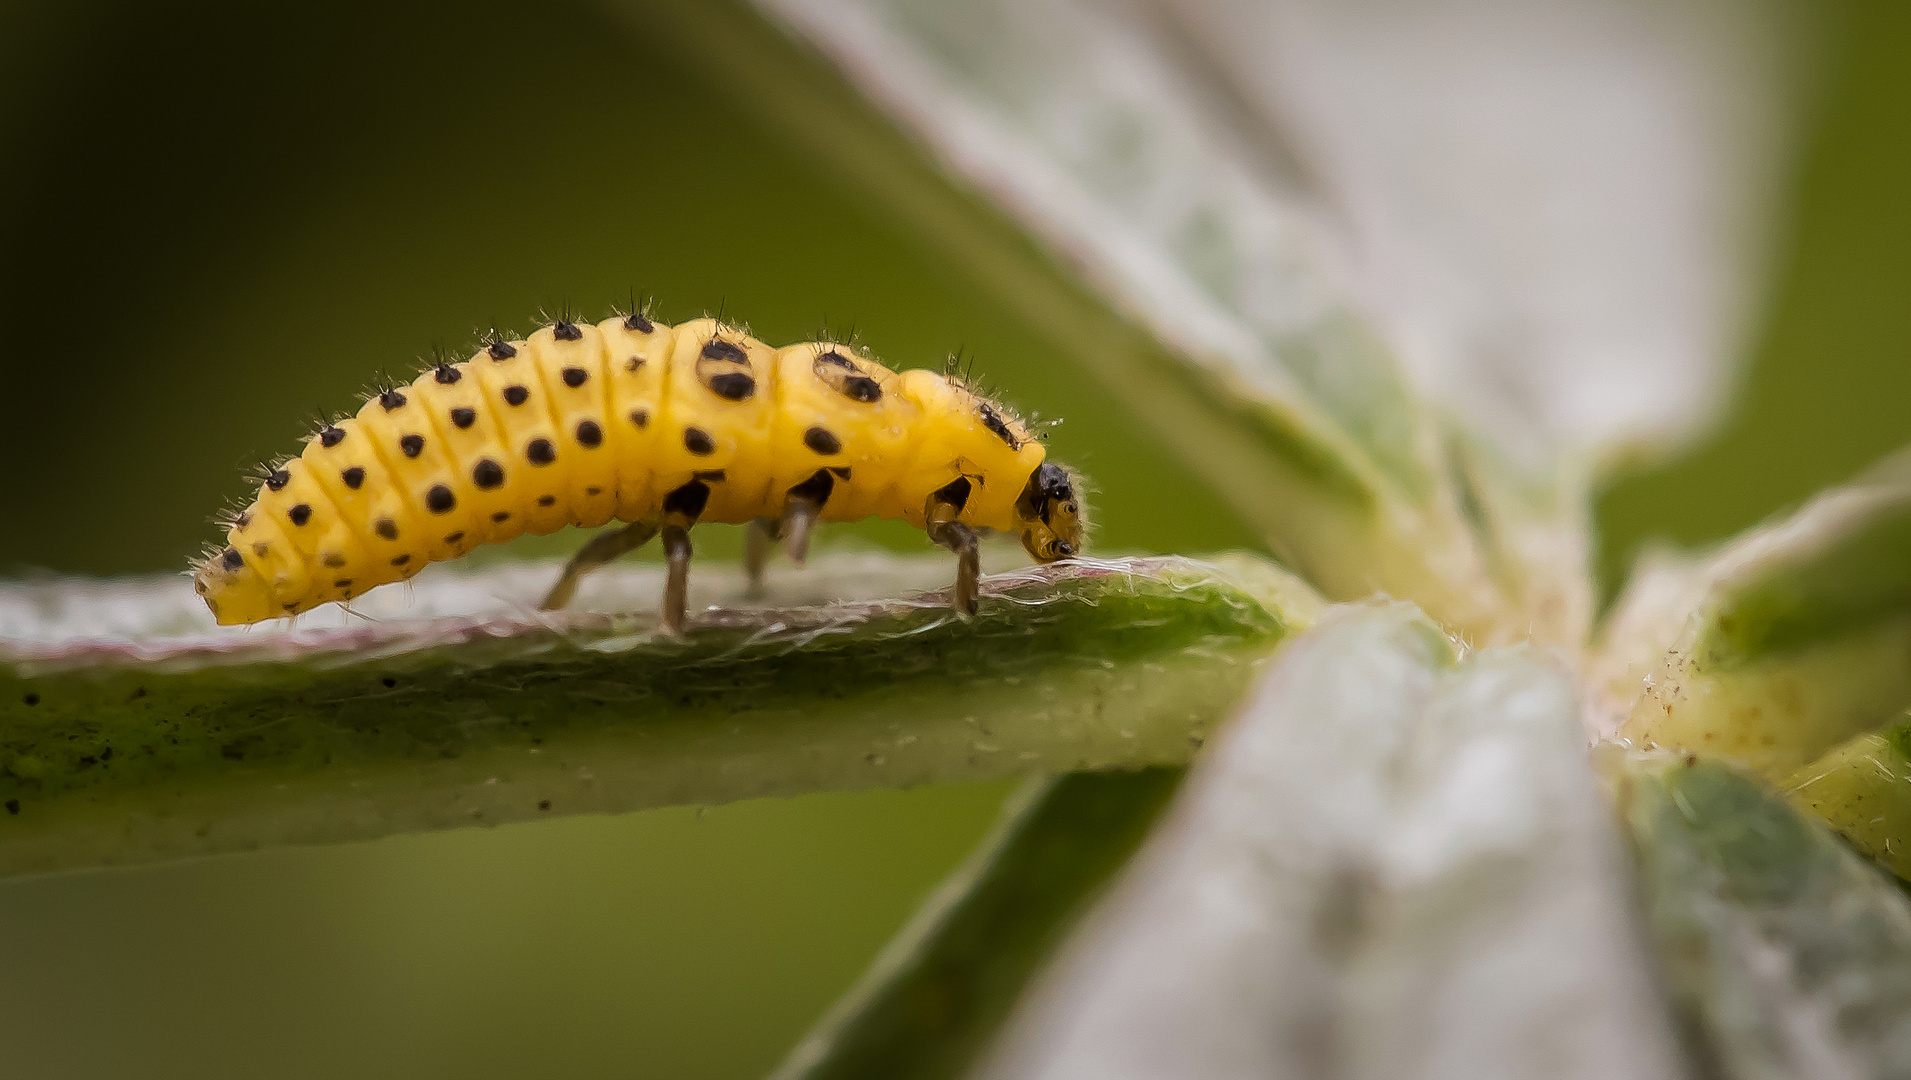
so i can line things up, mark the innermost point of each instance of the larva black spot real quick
(401, 560)
(575, 377)
(500, 350)
(464, 417)
(245, 518)
(816, 489)
(261, 549)
(331, 436)
(293, 606)
(955, 493)
(386, 528)
(566, 330)
(232, 559)
(454, 538)
(633, 363)
(487, 474)
(333, 560)
(994, 422)
(540, 452)
(501, 516)
(640, 417)
(412, 445)
(845, 376)
(516, 395)
(391, 399)
(688, 500)
(342, 583)
(716, 349)
(353, 477)
(588, 433)
(710, 476)
(446, 374)
(638, 323)
(300, 514)
(732, 385)
(440, 500)
(278, 480)
(546, 500)
(593, 490)
(841, 473)
(821, 441)
(698, 441)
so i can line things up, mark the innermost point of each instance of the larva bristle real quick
(637, 316)
(563, 321)
(439, 361)
(1039, 427)
(496, 344)
(638, 306)
(231, 514)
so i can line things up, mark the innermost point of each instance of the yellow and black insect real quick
(657, 426)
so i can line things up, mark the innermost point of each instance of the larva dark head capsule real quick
(1053, 517)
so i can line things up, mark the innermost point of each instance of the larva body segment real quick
(630, 420)
(719, 400)
(637, 356)
(865, 449)
(399, 433)
(451, 397)
(534, 469)
(571, 356)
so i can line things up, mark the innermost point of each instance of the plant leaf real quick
(1393, 863)
(1788, 955)
(943, 985)
(1862, 788)
(128, 748)
(1799, 635)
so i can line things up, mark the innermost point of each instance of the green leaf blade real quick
(150, 752)
(930, 1004)
(1798, 639)
(1787, 955)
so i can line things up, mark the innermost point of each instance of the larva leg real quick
(961, 539)
(799, 516)
(804, 503)
(677, 586)
(941, 511)
(603, 548)
(681, 509)
(758, 542)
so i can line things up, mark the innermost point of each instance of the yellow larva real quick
(656, 426)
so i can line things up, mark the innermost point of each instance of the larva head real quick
(1054, 520)
(233, 589)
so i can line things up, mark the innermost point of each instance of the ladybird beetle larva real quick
(659, 427)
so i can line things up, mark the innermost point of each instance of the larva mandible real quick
(660, 427)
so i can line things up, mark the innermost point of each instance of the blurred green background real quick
(217, 220)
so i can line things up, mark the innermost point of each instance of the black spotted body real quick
(635, 421)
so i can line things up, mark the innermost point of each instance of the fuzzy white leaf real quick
(1386, 867)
